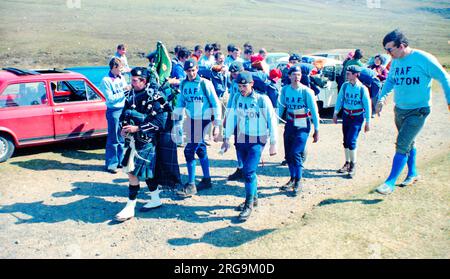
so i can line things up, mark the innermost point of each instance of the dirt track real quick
(57, 201)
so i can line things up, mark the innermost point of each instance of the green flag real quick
(163, 64)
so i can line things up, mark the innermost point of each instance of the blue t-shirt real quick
(411, 77)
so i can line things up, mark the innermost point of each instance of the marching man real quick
(354, 98)
(255, 121)
(299, 103)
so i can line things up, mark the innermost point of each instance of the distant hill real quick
(90, 33)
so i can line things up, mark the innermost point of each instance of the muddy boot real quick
(155, 201)
(127, 212)
(344, 169)
(242, 205)
(246, 211)
(237, 175)
(205, 183)
(288, 185)
(188, 190)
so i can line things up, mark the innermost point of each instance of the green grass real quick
(48, 33)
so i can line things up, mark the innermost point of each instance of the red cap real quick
(256, 58)
(275, 74)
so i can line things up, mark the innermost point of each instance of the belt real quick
(348, 111)
(299, 115)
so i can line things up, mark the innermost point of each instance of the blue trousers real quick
(295, 140)
(251, 155)
(351, 126)
(195, 139)
(114, 141)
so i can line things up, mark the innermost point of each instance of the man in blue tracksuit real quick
(202, 106)
(113, 88)
(255, 121)
(300, 105)
(410, 77)
(354, 98)
(235, 69)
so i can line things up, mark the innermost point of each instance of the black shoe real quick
(344, 169)
(242, 205)
(351, 170)
(188, 190)
(284, 163)
(288, 185)
(205, 183)
(113, 171)
(297, 188)
(246, 211)
(237, 175)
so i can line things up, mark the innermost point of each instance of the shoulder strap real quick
(203, 87)
(344, 87)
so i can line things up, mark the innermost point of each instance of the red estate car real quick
(44, 106)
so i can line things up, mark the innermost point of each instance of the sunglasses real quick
(389, 49)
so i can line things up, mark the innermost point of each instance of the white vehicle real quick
(325, 79)
(275, 58)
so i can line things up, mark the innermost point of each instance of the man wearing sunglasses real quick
(410, 78)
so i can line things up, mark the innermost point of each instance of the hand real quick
(273, 150)
(335, 118)
(225, 145)
(177, 135)
(316, 136)
(129, 129)
(215, 133)
(378, 108)
(367, 128)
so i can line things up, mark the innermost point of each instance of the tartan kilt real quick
(167, 170)
(142, 169)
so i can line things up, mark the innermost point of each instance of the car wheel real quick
(6, 148)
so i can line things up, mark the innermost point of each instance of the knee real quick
(189, 154)
(249, 176)
(201, 152)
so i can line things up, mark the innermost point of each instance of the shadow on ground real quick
(231, 236)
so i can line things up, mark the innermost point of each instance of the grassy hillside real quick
(53, 33)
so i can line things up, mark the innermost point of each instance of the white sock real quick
(347, 155)
(352, 155)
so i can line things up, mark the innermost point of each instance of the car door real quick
(79, 110)
(26, 113)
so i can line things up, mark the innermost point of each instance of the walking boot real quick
(246, 211)
(205, 183)
(242, 205)
(351, 170)
(344, 169)
(237, 175)
(296, 188)
(155, 201)
(188, 190)
(288, 185)
(127, 212)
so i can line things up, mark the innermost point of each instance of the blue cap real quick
(235, 67)
(354, 69)
(189, 64)
(295, 68)
(244, 78)
(295, 56)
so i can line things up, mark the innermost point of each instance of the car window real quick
(23, 94)
(66, 91)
